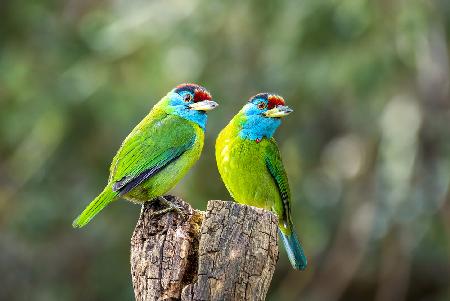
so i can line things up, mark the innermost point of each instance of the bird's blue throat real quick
(199, 117)
(256, 127)
(177, 107)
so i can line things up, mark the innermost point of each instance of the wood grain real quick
(228, 253)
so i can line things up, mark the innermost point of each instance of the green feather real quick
(152, 159)
(100, 202)
(254, 174)
(152, 141)
(276, 170)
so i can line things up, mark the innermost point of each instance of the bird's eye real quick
(262, 105)
(187, 97)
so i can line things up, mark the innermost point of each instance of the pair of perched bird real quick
(168, 141)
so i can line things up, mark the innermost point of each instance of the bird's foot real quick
(169, 207)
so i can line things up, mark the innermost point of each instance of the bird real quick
(158, 152)
(251, 168)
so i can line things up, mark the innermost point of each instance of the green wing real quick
(287, 232)
(276, 170)
(152, 145)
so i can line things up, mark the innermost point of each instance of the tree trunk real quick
(227, 253)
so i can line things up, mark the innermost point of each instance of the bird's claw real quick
(169, 207)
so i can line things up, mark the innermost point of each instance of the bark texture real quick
(227, 253)
(164, 251)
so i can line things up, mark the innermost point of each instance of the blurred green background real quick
(367, 149)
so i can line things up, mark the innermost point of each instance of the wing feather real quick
(276, 170)
(150, 147)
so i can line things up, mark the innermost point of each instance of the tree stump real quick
(227, 253)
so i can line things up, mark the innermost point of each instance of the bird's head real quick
(190, 101)
(267, 105)
(262, 115)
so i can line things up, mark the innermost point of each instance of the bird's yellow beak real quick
(279, 111)
(205, 105)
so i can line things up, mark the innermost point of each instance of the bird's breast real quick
(242, 167)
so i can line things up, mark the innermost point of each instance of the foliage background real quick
(367, 149)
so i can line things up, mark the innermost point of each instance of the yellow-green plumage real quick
(243, 168)
(250, 165)
(159, 137)
(158, 152)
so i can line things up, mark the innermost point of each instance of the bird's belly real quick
(245, 175)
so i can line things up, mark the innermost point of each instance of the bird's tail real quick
(294, 249)
(100, 202)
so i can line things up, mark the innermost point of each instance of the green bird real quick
(250, 165)
(158, 152)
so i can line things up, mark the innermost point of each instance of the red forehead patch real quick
(200, 95)
(274, 100)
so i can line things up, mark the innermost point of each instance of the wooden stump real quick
(228, 253)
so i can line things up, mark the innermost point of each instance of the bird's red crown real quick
(200, 93)
(274, 100)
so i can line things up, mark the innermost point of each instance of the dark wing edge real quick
(127, 183)
(279, 177)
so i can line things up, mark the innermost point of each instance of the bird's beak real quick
(205, 105)
(279, 111)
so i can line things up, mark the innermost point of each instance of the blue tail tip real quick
(294, 251)
(302, 265)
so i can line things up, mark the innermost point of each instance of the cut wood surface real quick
(227, 253)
